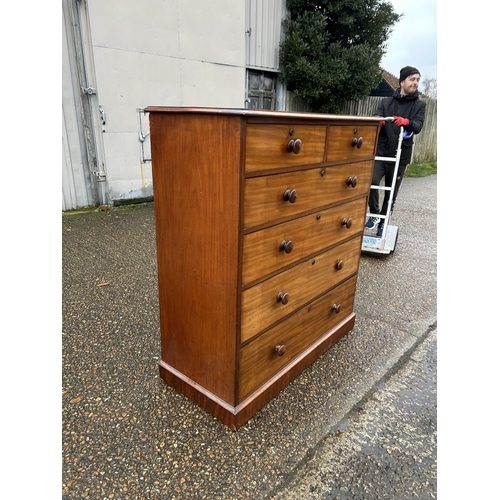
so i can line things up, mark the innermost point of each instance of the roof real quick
(387, 85)
(392, 80)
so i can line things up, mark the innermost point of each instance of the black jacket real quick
(409, 106)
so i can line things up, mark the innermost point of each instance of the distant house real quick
(387, 86)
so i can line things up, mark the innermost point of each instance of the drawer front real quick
(268, 302)
(260, 359)
(270, 146)
(349, 142)
(274, 197)
(269, 249)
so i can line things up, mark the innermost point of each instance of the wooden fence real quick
(425, 148)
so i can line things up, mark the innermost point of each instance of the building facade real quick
(120, 56)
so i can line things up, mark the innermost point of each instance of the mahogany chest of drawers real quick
(259, 224)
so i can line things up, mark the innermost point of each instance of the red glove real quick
(382, 122)
(400, 121)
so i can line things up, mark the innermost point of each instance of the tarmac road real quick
(386, 446)
(127, 435)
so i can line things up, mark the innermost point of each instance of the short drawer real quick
(273, 350)
(349, 142)
(273, 146)
(273, 197)
(266, 303)
(270, 249)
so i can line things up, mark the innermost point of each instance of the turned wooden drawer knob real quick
(287, 246)
(346, 222)
(339, 265)
(290, 195)
(352, 181)
(295, 146)
(283, 297)
(336, 308)
(280, 349)
(357, 142)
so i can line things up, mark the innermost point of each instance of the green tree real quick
(332, 50)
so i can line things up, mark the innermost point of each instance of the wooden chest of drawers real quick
(259, 223)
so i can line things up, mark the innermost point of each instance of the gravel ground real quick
(127, 435)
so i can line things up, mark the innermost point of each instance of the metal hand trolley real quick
(386, 243)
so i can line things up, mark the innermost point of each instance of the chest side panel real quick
(196, 174)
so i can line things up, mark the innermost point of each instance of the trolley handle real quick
(389, 119)
(402, 133)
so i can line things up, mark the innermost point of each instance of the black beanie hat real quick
(406, 72)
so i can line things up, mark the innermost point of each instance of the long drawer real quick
(273, 350)
(269, 301)
(274, 197)
(274, 146)
(270, 249)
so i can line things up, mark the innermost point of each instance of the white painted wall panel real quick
(175, 52)
(150, 26)
(204, 85)
(127, 177)
(128, 80)
(212, 31)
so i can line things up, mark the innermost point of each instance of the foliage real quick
(332, 50)
(428, 87)
(421, 169)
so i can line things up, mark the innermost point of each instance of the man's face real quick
(410, 85)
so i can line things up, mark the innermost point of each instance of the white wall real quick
(157, 52)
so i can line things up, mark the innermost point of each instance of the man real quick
(408, 111)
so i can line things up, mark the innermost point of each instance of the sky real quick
(414, 39)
